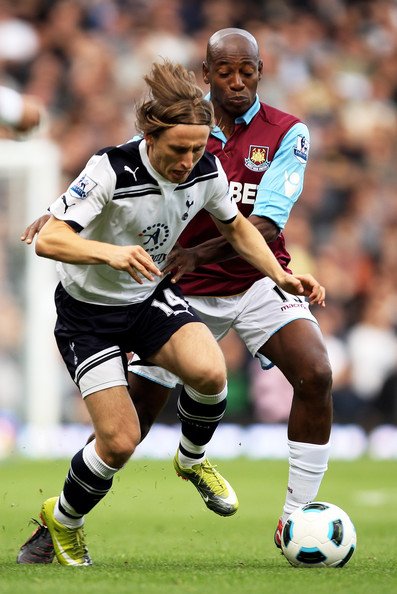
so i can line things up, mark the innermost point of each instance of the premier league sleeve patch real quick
(82, 187)
(301, 150)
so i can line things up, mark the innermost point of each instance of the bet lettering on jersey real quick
(246, 193)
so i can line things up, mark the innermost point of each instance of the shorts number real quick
(173, 301)
(285, 297)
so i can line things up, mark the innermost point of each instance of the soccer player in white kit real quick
(109, 232)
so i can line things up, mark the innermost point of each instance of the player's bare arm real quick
(32, 229)
(214, 250)
(217, 249)
(185, 260)
(250, 244)
(58, 241)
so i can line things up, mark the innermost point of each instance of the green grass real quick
(153, 534)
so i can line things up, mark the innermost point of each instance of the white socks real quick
(308, 463)
(95, 463)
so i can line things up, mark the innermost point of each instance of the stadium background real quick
(333, 63)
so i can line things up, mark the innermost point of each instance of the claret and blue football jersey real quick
(264, 160)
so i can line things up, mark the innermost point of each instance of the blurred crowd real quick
(333, 63)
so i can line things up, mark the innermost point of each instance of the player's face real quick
(233, 75)
(175, 152)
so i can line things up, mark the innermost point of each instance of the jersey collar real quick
(244, 119)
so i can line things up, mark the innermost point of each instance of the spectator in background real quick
(372, 351)
(19, 113)
(345, 401)
(386, 403)
(19, 39)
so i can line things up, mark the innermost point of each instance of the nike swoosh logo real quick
(65, 556)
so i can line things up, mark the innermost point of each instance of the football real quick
(318, 534)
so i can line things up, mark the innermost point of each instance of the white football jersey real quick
(119, 198)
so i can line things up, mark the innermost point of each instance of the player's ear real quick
(260, 69)
(205, 72)
(148, 138)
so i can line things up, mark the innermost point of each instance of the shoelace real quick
(77, 541)
(36, 533)
(209, 475)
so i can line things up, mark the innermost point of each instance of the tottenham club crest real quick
(258, 158)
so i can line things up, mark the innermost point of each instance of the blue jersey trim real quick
(282, 184)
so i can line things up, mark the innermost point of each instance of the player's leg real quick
(190, 461)
(191, 350)
(150, 388)
(298, 350)
(98, 366)
(116, 425)
(91, 472)
(202, 401)
(149, 398)
(193, 354)
(280, 330)
(200, 416)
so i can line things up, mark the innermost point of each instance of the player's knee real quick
(121, 453)
(211, 382)
(323, 376)
(316, 381)
(119, 448)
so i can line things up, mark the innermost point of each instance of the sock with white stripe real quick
(89, 479)
(200, 415)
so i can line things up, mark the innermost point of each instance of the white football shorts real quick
(255, 315)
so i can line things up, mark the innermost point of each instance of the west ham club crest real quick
(258, 158)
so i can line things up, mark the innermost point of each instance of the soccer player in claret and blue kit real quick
(264, 152)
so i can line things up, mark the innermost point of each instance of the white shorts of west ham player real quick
(255, 315)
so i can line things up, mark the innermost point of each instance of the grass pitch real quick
(153, 534)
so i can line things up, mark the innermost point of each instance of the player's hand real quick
(181, 260)
(34, 228)
(134, 260)
(312, 289)
(305, 285)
